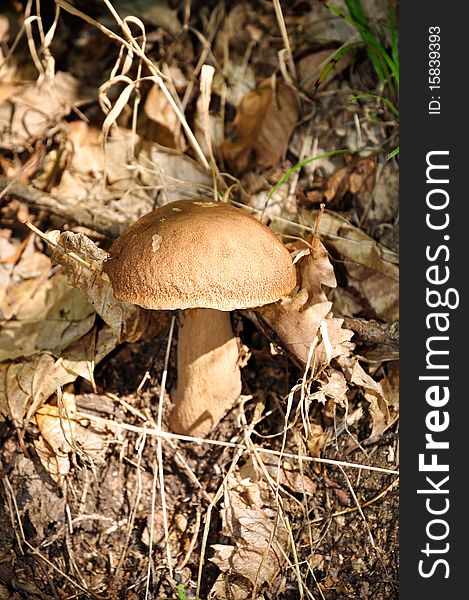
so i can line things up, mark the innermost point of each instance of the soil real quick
(103, 512)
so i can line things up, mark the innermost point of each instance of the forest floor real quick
(295, 493)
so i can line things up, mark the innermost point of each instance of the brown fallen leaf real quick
(372, 269)
(317, 439)
(263, 125)
(362, 175)
(28, 113)
(22, 278)
(57, 315)
(372, 391)
(39, 311)
(303, 320)
(229, 586)
(358, 176)
(61, 434)
(333, 386)
(108, 187)
(57, 437)
(390, 386)
(311, 66)
(259, 539)
(162, 122)
(25, 385)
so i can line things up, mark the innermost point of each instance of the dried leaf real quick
(297, 319)
(359, 176)
(337, 186)
(57, 465)
(39, 310)
(288, 476)
(65, 318)
(28, 114)
(390, 386)
(118, 183)
(61, 434)
(311, 66)
(316, 441)
(363, 175)
(316, 270)
(229, 586)
(26, 385)
(372, 270)
(57, 429)
(372, 392)
(258, 537)
(263, 125)
(163, 126)
(22, 278)
(334, 386)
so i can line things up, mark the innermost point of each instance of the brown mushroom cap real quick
(199, 254)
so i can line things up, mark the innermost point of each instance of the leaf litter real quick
(76, 363)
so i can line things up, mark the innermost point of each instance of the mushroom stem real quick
(209, 377)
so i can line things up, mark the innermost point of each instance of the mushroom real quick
(204, 258)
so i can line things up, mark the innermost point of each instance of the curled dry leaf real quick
(38, 310)
(259, 539)
(332, 385)
(372, 270)
(358, 176)
(61, 434)
(263, 125)
(27, 115)
(57, 429)
(317, 439)
(25, 385)
(162, 126)
(372, 391)
(303, 320)
(106, 188)
(390, 386)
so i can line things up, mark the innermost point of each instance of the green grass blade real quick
(393, 153)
